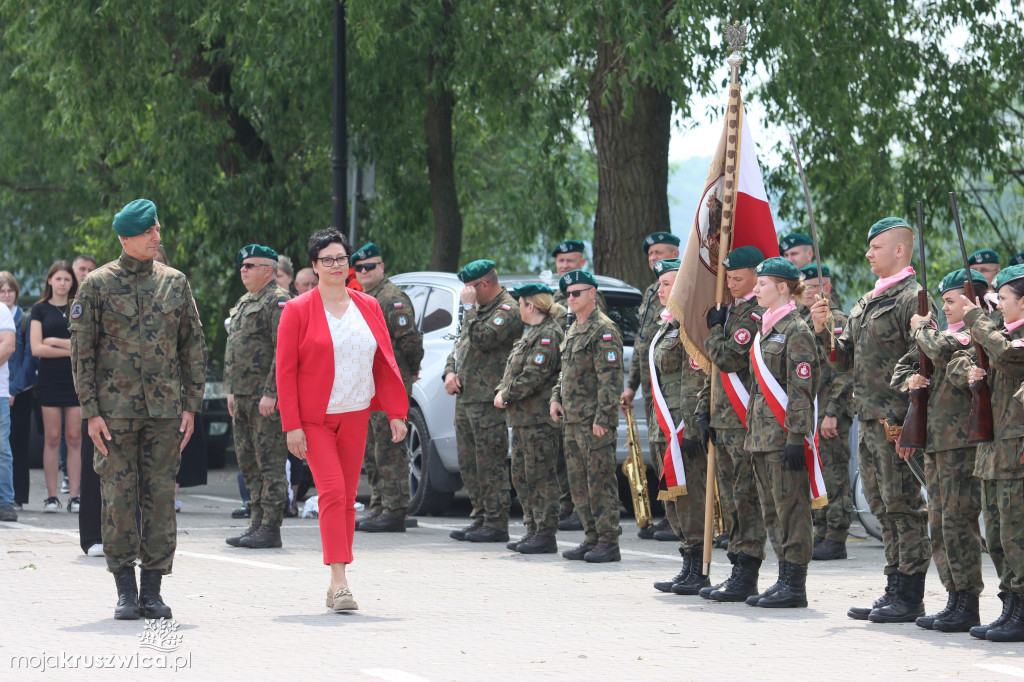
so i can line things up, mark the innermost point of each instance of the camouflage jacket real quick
(680, 380)
(650, 317)
(563, 316)
(949, 405)
(530, 374)
(484, 343)
(877, 335)
(137, 346)
(835, 389)
(591, 380)
(406, 339)
(790, 355)
(249, 358)
(729, 350)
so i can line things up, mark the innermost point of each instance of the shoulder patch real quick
(76, 311)
(545, 342)
(837, 330)
(498, 320)
(397, 304)
(281, 304)
(606, 337)
(803, 370)
(611, 356)
(506, 306)
(402, 321)
(962, 338)
(781, 338)
(755, 316)
(693, 363)
(539, 358)
(742, 337)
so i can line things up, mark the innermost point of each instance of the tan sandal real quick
(343, 601)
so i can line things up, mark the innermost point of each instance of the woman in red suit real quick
(334, 366)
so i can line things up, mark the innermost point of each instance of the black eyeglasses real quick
(250, 266)
(577, 293)
(331, 262)
(365, 267)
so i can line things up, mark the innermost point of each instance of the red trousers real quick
(334, 451)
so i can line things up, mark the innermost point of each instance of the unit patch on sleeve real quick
(611, 356)
(539, 358)
(402, 320)
(498, 320)
(742, 337)
(803, 370)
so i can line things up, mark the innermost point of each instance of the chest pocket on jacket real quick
(774, 354)
(120, 314)
(884, 327)
(166, 312)
(247, 321)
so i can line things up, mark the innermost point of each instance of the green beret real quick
(660, 238)
(667, 265)
(255, 251)
(135, 218)
(476, 270)
(777, 267)
(1017, 259)
(886, 224)
(1007, 275)
(530, 290)
(575, 277)
(811, 271)
(569, 246)
(983, 256)
(794, 239)
(957, 279)
(743, 257)
(367, 251)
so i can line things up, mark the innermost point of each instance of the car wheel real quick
(424, 500)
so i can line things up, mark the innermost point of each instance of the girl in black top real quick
(55, 386)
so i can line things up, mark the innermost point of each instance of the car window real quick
(624, 308)
(418, 294)
(438, 311)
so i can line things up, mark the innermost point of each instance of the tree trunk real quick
(632, 169)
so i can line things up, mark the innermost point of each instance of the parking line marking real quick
(392, 675)
(214, 498)
(234, 560)
(1002, 669)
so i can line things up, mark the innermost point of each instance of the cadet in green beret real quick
(797, 248)
(139, 361)
(490, 326)
(876, 336)
(658, 246)
(1017, 259)
(387, 462)
(251, 384)
(985, 261)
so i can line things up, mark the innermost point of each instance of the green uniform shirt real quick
(650, 317)
(563, 316)
(249, 358)
(406, 339)
(835, 389)
(531, 373)
(488, 333)
(680, 380)
(729, 349)
(591, 381)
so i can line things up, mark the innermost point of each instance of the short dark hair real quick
(322, 238)
(86, 256)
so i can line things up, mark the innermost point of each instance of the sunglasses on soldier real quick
(365, 267)
(577, 292)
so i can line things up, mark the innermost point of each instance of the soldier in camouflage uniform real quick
(798, 249)
(835, 417)
(658, 246)
(876, 336)
(586, 398)
(139, 362)
(997, 463)
(732, 330)
(386, 462)
(954, 493)
(525, 392)
(251, 385)
(490, 326)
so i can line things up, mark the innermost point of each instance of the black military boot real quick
(927, 621)
(705, 592)
(696, 580)
(569, 521)
(963, 617)
(1008, 599)
(127, 595)
(907, 605)
(578, 552)
(369, 517)
(149, 596)
(385, 523)
(461, 533)
(1013, 629)
(754, 599)
(666, 585)
(862, 612)
(513, 544)
(666, 535)
(828, 550)
(487, 534)
(603, 553)
(793, 593)
(235, 541)
(744, 580)
(722, 541)
(538, 544)
(265, 537)
(648, 532)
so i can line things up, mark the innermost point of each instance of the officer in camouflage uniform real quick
(525, 392)
(386, 462)
(985, 261)
(658, 246)
(251, 385)
(490, 326)
(1017, 259)
(835, 417)
(139, 362)
(877, 335)
(732, 330)
(586, 399)
(954, 493)
(680, 380)
(798, 249)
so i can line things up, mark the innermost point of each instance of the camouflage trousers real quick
(954, 503)
(565, 505)
(833, 520)
(737, 489)
(534, 455)
(894, 497)
(1003, 509)
(654, 444)
(685, 514)
(482, 440)
(261, 450)
(590, 462)
(786, 501)
(387, 468)
(137, 477)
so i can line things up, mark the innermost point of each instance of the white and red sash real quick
(673, 474)
(778, 401)
(737, 393)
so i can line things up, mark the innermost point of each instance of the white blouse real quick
(354, 350)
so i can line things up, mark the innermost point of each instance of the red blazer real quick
(305, 361)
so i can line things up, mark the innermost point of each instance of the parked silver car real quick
(433, 460)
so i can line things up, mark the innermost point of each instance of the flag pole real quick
(736, 37)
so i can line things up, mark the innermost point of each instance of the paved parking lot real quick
(435, 609)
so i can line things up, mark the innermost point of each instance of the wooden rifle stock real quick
(915, 426)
